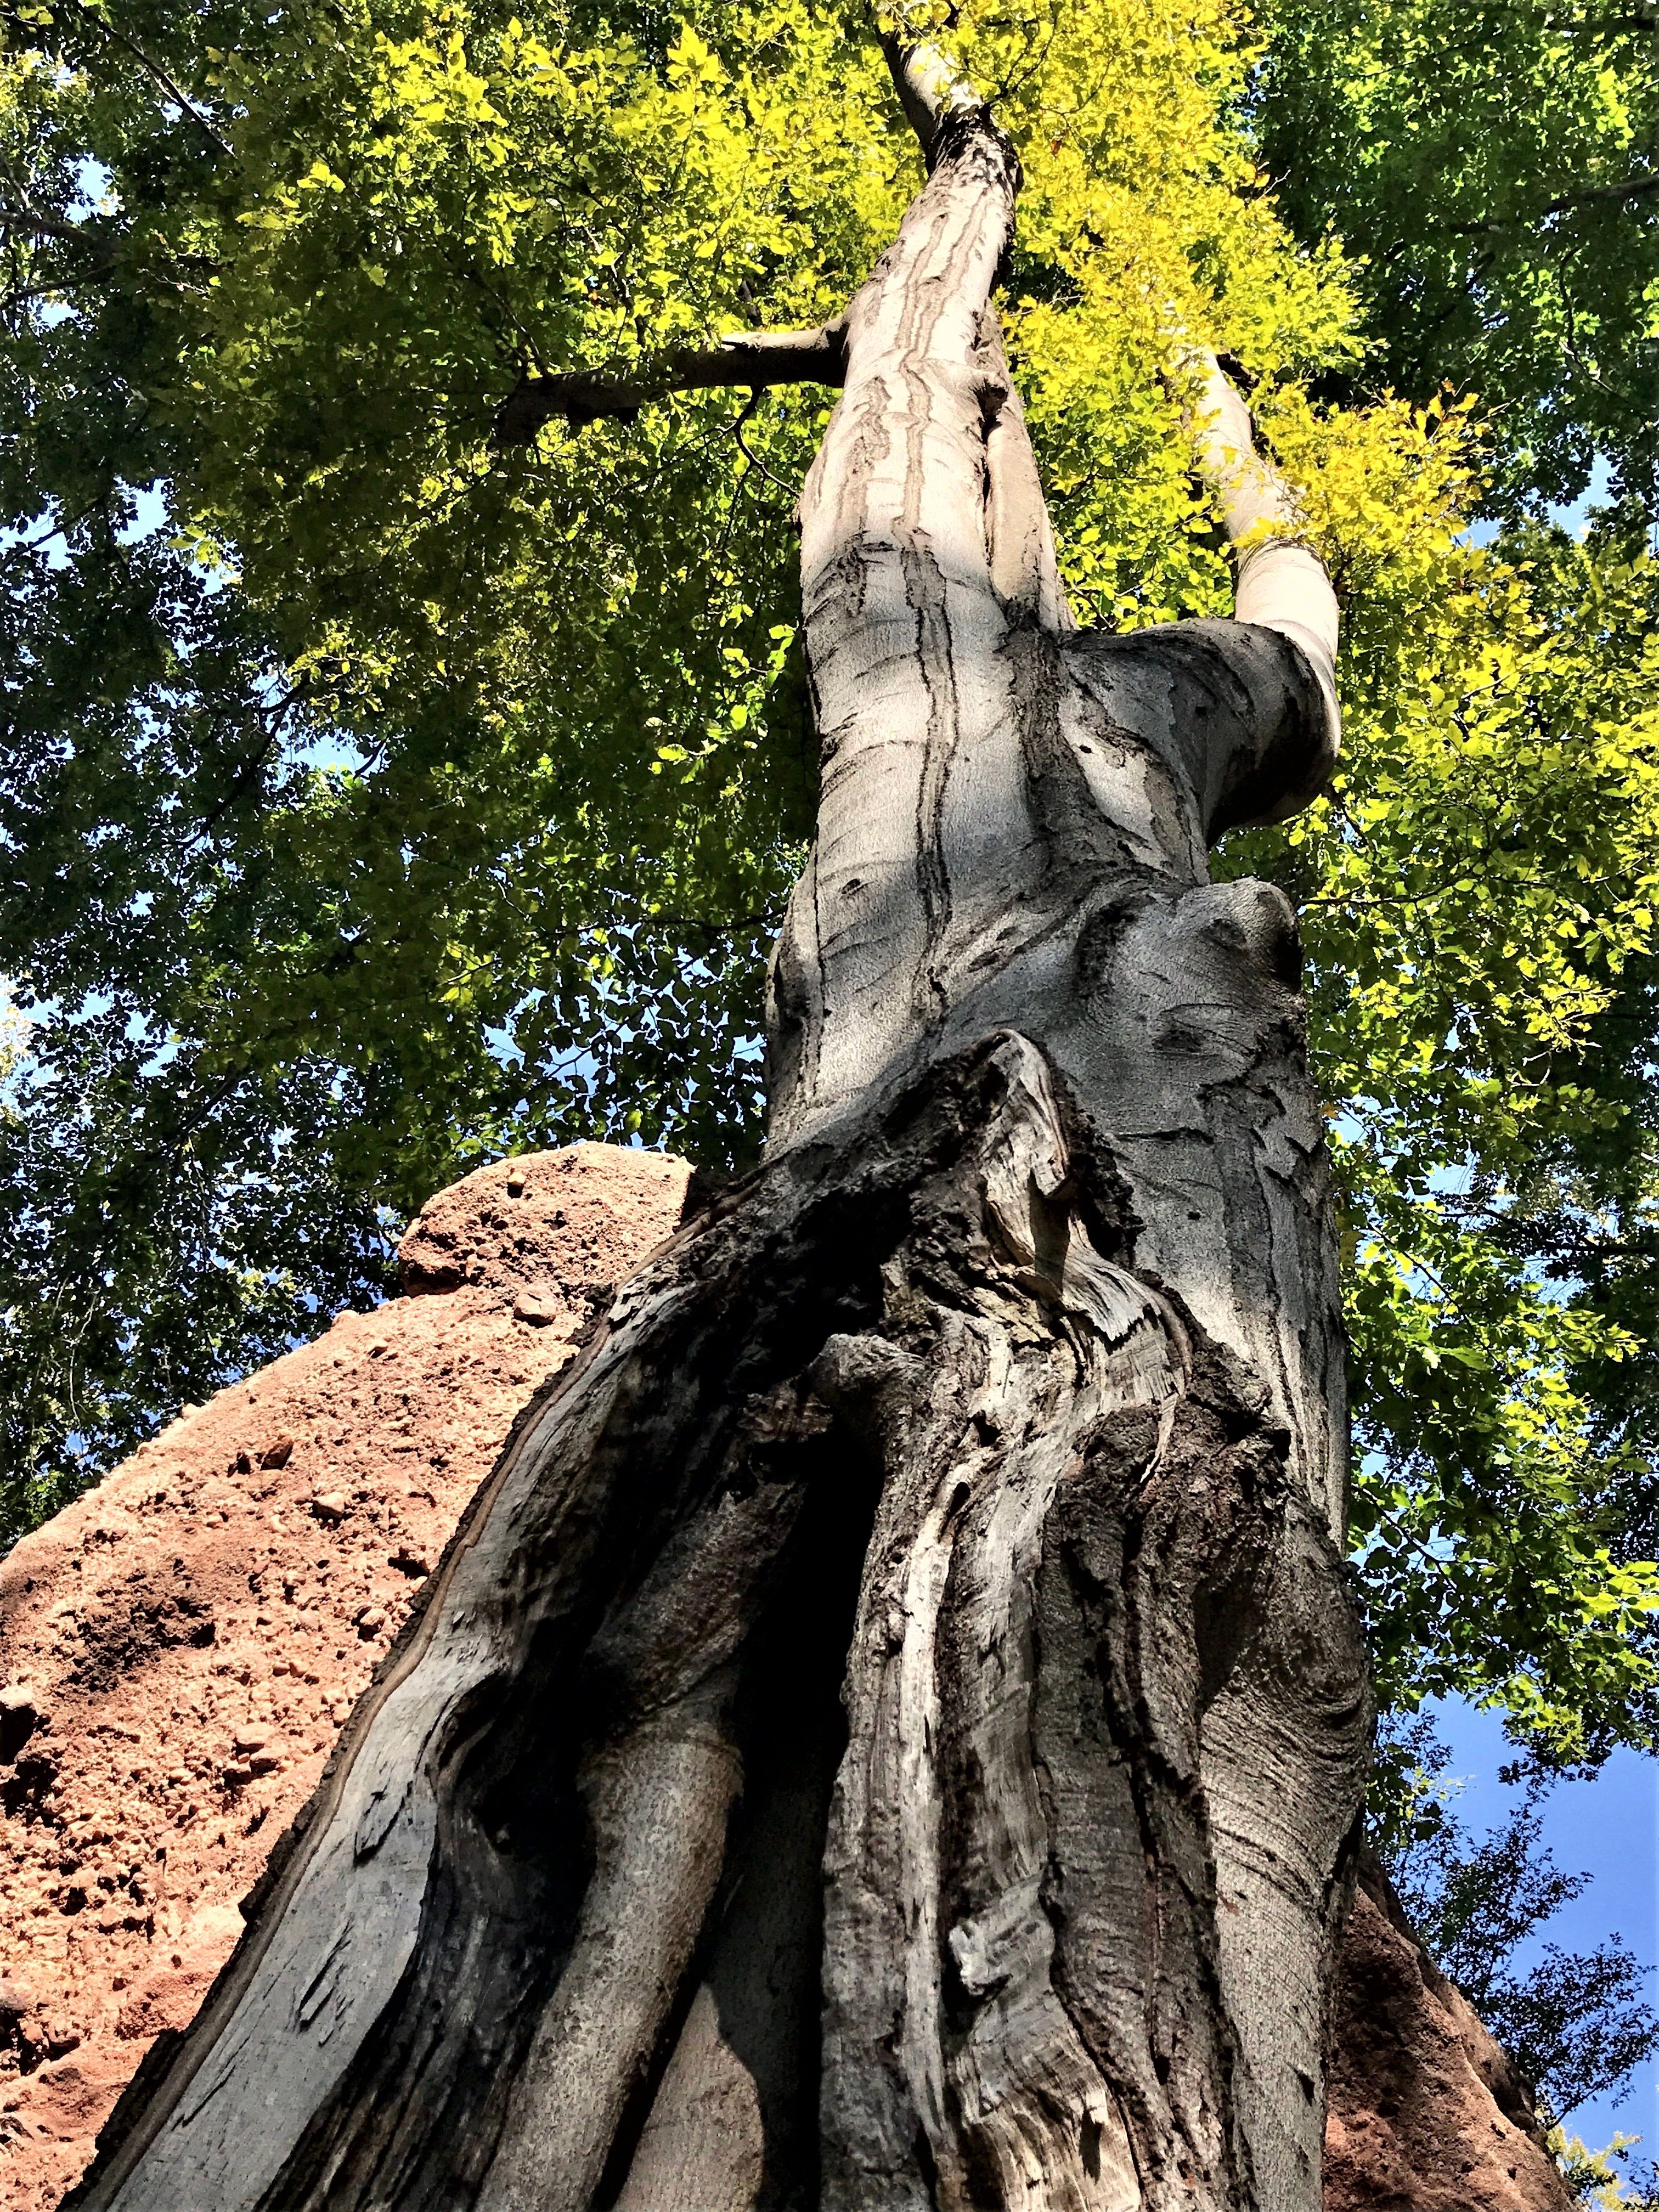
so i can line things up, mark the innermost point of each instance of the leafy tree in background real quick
(1491, 173)
(165, 1222)
(1494, 172)
(1577, 2024)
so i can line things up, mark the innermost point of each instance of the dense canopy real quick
(379, 798)
(1492, 168)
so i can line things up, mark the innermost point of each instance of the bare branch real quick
(752, 358)
(1282, 583)
(751, 457)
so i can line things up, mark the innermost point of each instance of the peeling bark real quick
(889, 1733)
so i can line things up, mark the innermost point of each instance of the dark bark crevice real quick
(983, 1406)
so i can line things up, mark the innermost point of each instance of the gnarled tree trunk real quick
(889, 1733)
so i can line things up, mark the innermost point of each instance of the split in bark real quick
(1005, 1400)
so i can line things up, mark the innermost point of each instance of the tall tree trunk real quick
(889, 1733)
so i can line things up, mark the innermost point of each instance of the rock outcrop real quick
(1426, 2114)
(179, 1648)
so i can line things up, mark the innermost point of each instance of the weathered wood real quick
(890, 1734)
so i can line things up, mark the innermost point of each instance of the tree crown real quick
(407, 796)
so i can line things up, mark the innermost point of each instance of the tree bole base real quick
(830, 1763)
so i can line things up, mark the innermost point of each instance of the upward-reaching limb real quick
(1282, 584)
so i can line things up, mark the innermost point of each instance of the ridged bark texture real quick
(890, 1734)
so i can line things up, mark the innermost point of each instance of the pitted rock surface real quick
(179, 1647)
(1425, 2114)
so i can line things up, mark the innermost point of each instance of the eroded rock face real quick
(1426, 2114)
(178, 1649)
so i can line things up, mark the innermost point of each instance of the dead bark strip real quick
(890, 1734)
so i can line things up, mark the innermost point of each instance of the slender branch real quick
(755, 358)
(252, 761)
(1623, 188)
(58, 529)
(153, 70)
(753, 459)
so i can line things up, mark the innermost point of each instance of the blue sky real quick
(1607, 1828)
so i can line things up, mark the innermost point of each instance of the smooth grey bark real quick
(889, 1733)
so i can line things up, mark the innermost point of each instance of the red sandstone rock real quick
(1426, 2113)
(179, 1648)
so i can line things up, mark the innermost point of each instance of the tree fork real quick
(1005, 1398)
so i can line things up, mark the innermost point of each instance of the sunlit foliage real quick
(1492, 170)
(404, 800)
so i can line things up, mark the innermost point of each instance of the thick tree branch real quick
(752, 358)
(1282, 583)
